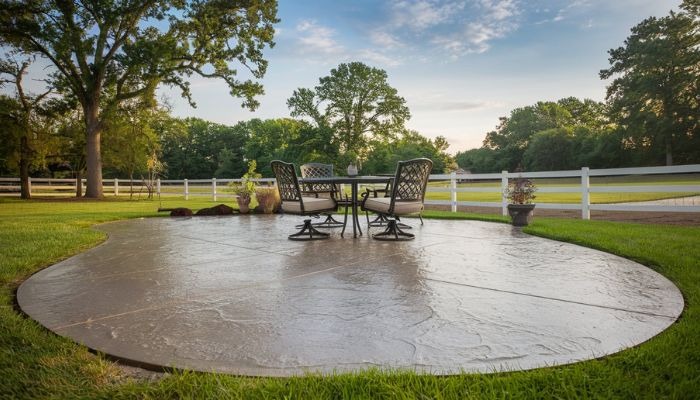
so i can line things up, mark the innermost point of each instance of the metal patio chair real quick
(380, 220)
(320, 170)
(406, 197)
(293, 202)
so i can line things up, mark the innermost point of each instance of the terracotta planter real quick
(243, 205)
(520, 214)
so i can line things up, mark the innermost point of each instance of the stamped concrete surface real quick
(232, 294)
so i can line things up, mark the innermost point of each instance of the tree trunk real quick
(24, 152)
(669, 155)
(94, 155)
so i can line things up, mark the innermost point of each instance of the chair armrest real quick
(365, 196)
(377, 191)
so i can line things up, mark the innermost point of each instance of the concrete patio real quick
(232, 294)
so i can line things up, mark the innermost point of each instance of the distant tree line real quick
(99, 113)
(650, 116)
(352, 116)
(194, 148)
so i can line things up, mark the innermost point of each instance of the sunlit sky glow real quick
(460, 64)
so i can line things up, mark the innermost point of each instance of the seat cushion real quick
(381, 205)
(311, 204)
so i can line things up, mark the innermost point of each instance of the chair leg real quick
(308, 232)
(380, 220)
(393, 232)
(329, 222)
(402, 225)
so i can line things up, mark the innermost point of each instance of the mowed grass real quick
(202, 192)
(35, 363)
(570, 198)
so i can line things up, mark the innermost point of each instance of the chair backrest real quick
(411, 180)
(287, 182)
(317, 170)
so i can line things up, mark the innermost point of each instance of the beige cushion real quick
(381, 205)
(311, 204)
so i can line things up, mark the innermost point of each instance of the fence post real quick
(504, 187)
(213, 188)
(158, 187)
(453, 190)
(187, 190)
(116, 186)
(29, 186)
(585, 194)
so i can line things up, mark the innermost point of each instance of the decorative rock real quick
(221, 209)
(181, 212)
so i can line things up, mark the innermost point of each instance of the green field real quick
(202, 192)
(596, 198)
(35, 363)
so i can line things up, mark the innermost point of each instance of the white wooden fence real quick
(584, 188)
(216, 188)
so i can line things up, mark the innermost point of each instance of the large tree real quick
(24, 128)
(655, 93)
(356, 102)
(107, 52)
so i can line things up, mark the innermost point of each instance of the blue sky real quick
(459, 64)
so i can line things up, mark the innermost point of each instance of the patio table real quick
(354, 182)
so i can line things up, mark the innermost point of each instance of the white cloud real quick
(456, 27)
(567, 12)
(315, 39)
(385, 39)
(379, 58)
(497, 19)
(422, 14)
(459, 106)
(499, 10)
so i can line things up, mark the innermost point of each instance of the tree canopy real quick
(23, 135)
(108, 52)
(356, 103)
(655, 93)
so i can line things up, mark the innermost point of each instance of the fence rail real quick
(497, 183)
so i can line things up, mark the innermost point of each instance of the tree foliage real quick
(356, 104)
(132, 141)
(385, 154)
(198, 149)
(25, 121)
(108, 52)
(655, 93)
(515, 133)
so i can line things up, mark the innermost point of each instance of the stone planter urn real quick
(243, 205)
(520, 214)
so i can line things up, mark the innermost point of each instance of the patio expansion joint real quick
(647, 313)
(236, 246)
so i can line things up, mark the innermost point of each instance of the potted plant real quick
(520, 194)
(268, 199)
(246, 188)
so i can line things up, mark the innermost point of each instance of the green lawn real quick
(596, 198)
(35, 363)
